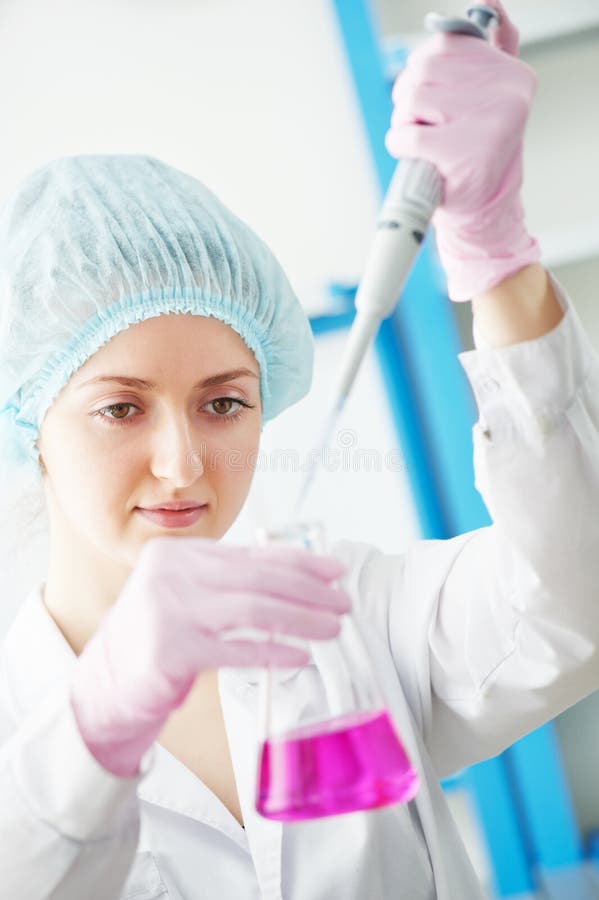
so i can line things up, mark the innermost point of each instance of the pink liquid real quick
(349, 763)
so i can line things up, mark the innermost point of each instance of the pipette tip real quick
(324, 442)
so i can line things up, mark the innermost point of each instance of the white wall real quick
(252, 98)
(561, 186)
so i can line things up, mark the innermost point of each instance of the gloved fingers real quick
(324, 566)
(194, 651)
(416, 103)
(300, 587)
(506, 36)
(460, 63)
(418, 142)
(267, 576)
(433, 104)
(473, 143)
(445, 53)
(246, 609)
(240, 654)
(452, 76)
(295, 558)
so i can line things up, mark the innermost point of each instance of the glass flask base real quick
(353, 762)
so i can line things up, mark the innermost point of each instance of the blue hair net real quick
(91, 244)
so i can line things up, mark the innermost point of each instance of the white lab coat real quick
(475, 641)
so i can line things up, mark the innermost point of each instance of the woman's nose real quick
(175, 452)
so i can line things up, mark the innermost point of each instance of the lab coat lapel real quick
(239, 702)
(171, 785)
(38, 660)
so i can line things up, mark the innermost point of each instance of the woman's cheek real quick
(116, 459)
(230, 471)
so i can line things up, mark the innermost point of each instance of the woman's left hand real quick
(462, 104)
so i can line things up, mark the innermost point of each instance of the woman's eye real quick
(222, 405)
(115, 407)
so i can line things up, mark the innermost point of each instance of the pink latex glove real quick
(168, 624)
(462, 103)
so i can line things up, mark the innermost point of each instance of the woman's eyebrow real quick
(143, 385)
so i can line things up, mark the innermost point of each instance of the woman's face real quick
(108, 448)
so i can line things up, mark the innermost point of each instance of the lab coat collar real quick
(37, 659)
(36, 656)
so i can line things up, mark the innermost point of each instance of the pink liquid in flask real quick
(349, 763)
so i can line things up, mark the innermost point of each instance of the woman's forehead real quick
(201, 343)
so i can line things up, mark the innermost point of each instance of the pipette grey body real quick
(414, 192)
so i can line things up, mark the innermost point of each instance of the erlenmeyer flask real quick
(347, 756)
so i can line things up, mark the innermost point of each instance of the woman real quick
(127, 720)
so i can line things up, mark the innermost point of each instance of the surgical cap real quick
(92, 244)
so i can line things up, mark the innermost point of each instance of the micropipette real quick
(413, 194)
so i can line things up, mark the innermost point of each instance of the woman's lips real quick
(168, 518)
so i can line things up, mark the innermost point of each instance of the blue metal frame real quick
(536, 772)
(506, 839)
(522, 797)
(421, 331)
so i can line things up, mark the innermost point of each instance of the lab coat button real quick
(489, 385)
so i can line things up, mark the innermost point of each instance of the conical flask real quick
(344, 755)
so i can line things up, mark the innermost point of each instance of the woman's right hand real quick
(170, 621)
